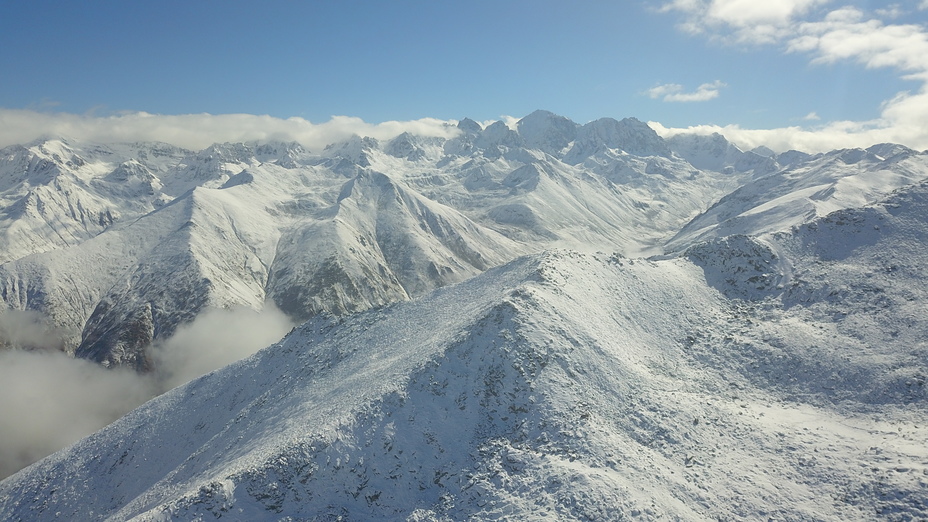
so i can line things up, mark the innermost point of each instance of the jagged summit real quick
(547, 131)
(806, 188)
(608, 184)
(762, 150)
(469, 126)
(715, 152)
(628, 135)
(381, 243)
(890, 150)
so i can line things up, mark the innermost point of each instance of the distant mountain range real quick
(121, 244)
(543, 321)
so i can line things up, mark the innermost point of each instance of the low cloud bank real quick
(215, 339)
(29, 330)
(49, 400)
(838, 135)
(198, 131)
(900, 122)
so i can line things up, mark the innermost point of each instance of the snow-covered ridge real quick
(468, 352)
(556, 386)
(237, 224)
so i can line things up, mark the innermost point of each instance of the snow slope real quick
(808, 290)
(743, 380)
(799, 192)
(118, 245)
(56, 193)
(127, 242)
(716, 153)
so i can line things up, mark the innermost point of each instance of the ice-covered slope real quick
(266, 232)
(363, 223)
(144, 275)
(629, 135)
(741, 381)
(203, 250)
(609, 184)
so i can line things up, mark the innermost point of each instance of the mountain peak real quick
(497, 139)
(460, 381)
(469, 126)
(706, 151)
(764, 151)
(547, 131)
(629, 135)
(889, 150)
(355, 149)
(407, 146)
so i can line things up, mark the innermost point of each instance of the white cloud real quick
(664, 90)
(841, 34)
(49, 400)
(217, 338)
(197, 131)
(812, 116)
(743, 21)
(744, 13)
(845, 34)
(891, 11)
(29, 330)
(673, 92)
(511, 121)
(834, 135)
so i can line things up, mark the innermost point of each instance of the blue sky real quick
(732, 65)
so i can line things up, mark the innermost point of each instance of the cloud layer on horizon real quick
(804, 27)
(899, 123)
(821, 30)
(825, 36)
(198, 131)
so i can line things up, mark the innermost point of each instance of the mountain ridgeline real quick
(775, 376)
(120, 244)
(534, 321)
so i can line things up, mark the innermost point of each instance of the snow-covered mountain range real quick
(547, 320)
(120, 244)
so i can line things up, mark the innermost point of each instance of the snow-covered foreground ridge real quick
(778, 376)
(467, 354)
(119, 245)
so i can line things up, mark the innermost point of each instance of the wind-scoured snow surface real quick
(741, 381)
(469, 352)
